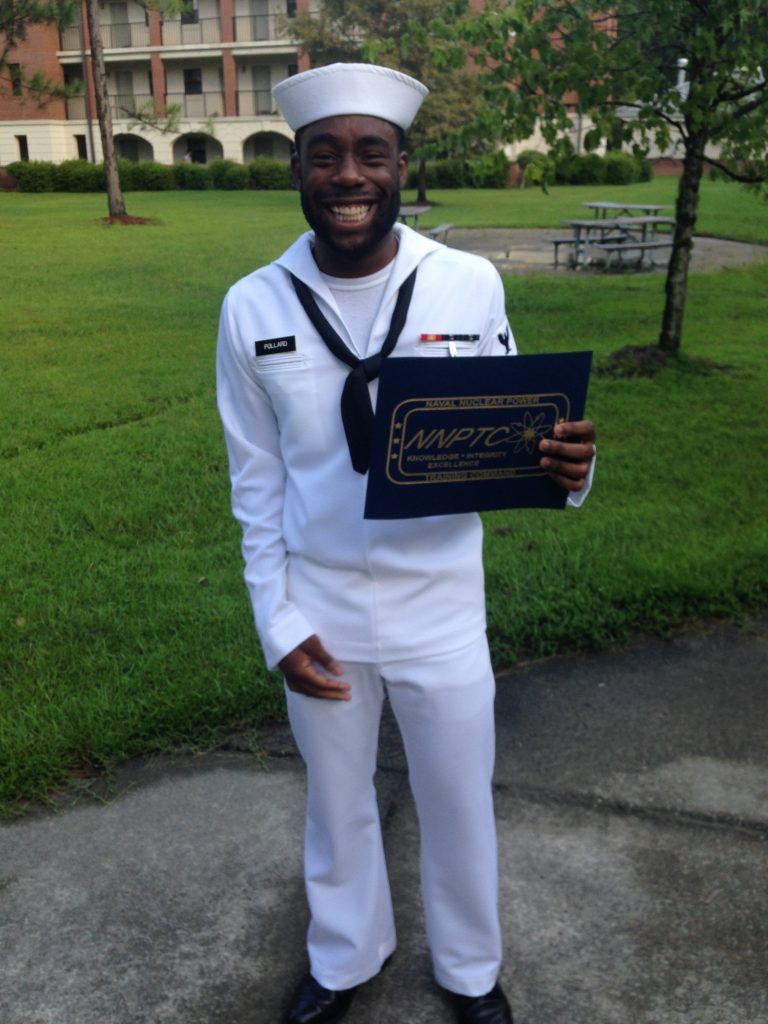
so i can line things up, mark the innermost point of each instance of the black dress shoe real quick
(491, 1008)
(314, 1004)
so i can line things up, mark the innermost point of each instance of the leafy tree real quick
(618, 65)
(395, 35)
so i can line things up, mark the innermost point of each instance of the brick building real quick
(217, 63)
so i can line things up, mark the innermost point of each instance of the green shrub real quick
(566, 169)
(621, 168)
(125, 173)
(235, 177)
(217, 171)
(149, 176)
(538, 169)
(645, 172)
(580, 169)
(489, 171)
(449, 173)
(526, 157)
(78, 176)
(191, 176)
(32, 175)
(266, 173)
(592, 169)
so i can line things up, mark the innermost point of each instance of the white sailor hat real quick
(349, 89)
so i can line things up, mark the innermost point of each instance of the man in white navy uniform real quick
(354, 610)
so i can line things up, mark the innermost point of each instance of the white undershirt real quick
(358, 299)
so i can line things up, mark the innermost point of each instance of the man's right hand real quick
(302, 675)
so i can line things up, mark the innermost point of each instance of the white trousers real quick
(444, 708)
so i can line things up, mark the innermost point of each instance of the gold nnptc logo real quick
(487, 437)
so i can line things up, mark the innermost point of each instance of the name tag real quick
(275, 346)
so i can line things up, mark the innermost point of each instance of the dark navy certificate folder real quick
(462, 434)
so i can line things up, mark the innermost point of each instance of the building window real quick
(16, 77)
(82, 147)
(191, 15)
(73, 74)
(193, 81)
(21, 141)
(290, 8)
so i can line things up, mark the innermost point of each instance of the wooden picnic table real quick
(602, 209)
(614, 234)
(410, 214)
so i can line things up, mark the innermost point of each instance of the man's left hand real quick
(569, 455)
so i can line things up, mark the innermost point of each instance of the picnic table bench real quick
(616, 238)
(621, 249)
(440, 233)
(569, 240)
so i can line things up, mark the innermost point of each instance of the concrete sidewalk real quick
(632, 799)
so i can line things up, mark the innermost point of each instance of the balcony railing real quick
(254, 103)
(120, 36)
(204, 104)
(126, 105)
(248, 28)
(206, 30)
(125, 34)
(255, 27)
(121, 105)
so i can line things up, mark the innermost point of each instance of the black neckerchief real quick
(356, 407)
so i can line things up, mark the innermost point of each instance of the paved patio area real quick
(632, 803)
(527, 251)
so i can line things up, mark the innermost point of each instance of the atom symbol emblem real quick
(526, 435)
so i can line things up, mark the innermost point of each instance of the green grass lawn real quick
(124, 623)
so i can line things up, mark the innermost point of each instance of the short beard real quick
(383, 222)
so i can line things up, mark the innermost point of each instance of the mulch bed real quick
(125, 219)
(648, 360)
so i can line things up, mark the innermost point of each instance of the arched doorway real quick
(133, 148)
(196, 148)
(269, 144)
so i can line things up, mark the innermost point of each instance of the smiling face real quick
(350, 170)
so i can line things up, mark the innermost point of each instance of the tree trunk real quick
(421, 182)
(115, 201)
(677, 272)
